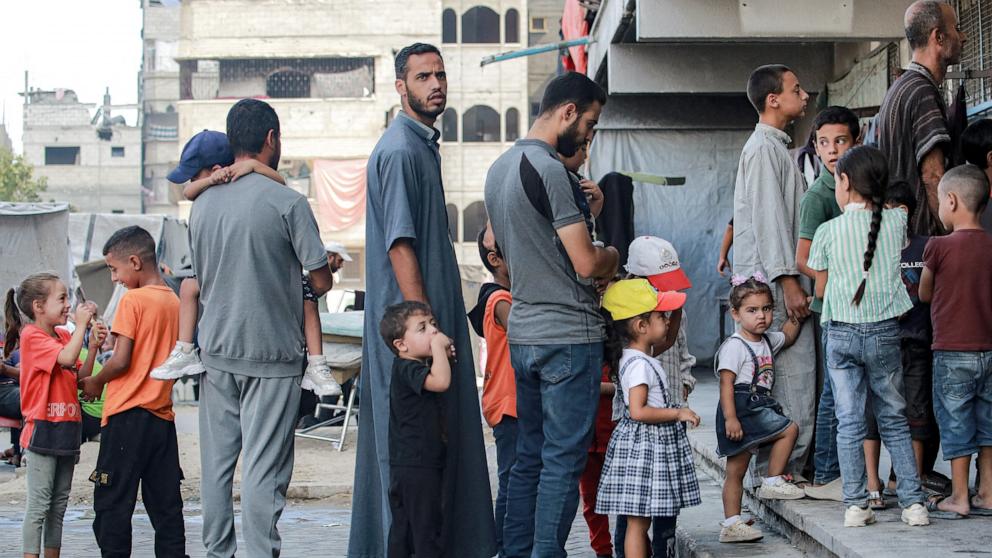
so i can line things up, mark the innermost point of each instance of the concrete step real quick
(699, 530)
(816, 527)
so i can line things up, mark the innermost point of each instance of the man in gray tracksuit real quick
(251, 239)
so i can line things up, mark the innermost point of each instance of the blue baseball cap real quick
(202, 151)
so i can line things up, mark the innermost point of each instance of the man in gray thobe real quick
(409, 256)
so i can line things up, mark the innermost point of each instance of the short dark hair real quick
(572, 87)
(403, 56)
(393, 324)
(976, 142)
(248, 124)
(131, 241)
(484, 253)
(921, 19)
(901, 193)
(970, 184)
(838, 115)
(764, 81)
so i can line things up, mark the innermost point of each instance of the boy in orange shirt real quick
(138, 441)
(499, 388)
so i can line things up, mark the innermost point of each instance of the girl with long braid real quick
(857, 260)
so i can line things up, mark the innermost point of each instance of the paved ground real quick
(317, 527)
(307, 528)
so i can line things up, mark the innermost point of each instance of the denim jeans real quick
(505, 433)
(962, 390)
(826, 467)
(865, 359)
(662, 536)
(557, 396)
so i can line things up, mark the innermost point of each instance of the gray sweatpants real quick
(254, 417)
(49, 483)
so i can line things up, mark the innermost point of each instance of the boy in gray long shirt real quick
(766, 229)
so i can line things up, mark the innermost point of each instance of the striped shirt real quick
(678, 362)
(839, 247)
(912, 122)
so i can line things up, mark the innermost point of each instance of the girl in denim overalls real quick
(748, 417)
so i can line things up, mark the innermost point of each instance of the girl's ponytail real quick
(19, 303)
(612, 346)
(868, 174)
(12, 324)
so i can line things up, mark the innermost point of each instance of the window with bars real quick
(277, 78)
(975, 21)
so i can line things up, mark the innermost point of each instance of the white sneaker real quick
(859, 517)
(783, 491)
(740, 532)
(318, 378)
(916, 515)
(179, 364)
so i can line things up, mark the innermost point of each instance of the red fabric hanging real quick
(340, 187)
(575, 26)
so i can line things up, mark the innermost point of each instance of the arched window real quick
(449, 125)
(480, 25)
(287, 84)
(512, 26)
(474, 220)
(449, 26)
(512, 124)
(452, 211)
(480, 123)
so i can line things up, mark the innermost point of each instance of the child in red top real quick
(52, 415)
(599, 524)
(499, 389)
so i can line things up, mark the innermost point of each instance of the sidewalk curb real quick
(781, 515)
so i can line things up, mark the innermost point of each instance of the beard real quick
(570, 140)
(276, 155)
(420, 107)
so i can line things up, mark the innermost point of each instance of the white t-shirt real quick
(734, 357)
(642, 372)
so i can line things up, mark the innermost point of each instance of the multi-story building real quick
(92, 161)
(158, 94)
(327, 69)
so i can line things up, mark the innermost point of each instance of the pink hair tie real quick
(738, 280)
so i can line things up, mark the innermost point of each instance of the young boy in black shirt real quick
(416, 434)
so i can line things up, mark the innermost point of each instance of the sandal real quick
(978, 510)
(937, 513)
(875, 500)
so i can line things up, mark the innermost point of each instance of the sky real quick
(71, 44)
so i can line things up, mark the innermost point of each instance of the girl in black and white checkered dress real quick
(648, 474)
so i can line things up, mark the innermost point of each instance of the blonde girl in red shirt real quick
(35, 312)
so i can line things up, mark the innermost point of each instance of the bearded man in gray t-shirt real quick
(555, 329)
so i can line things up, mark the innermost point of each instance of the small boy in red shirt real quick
(957, 282)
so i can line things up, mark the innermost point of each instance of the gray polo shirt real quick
(251, 240)
(528, 197)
